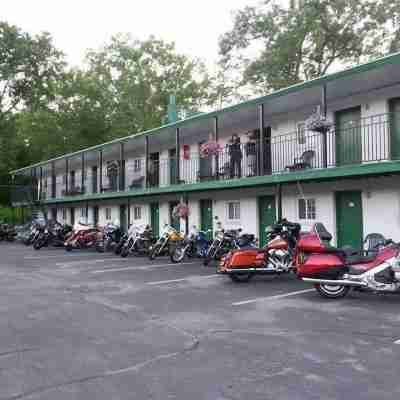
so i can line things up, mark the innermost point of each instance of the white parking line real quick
(276, 297)
(66, 264)
(137, 267)
(188, 278)
(397, 341)
(64, 254)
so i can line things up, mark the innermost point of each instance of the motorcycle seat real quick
(352, 256)
(359, 259)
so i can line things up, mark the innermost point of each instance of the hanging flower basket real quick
(180, 211)
(316, 122)
(210, 148)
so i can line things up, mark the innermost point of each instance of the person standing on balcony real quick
(235, 157)
(251, 154)
(112, 174)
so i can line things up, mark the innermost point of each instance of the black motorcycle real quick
(227, 240)
(7, 232)
(112, 235)
(53, 234)
(33, 233)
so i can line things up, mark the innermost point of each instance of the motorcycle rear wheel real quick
(68, 247)
(241, 278)
(332, 291)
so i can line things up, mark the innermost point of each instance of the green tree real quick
(137, 78)
(30, 67)
(273, 46)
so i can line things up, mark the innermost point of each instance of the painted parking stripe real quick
(397, 341)
(276, 297)
(66, 255)
(188, 278)
(95, 261)
(138, 267)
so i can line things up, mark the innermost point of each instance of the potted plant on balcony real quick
(317, 122)
(181, 210)
(210, 148)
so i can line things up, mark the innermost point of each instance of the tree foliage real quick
(48, 109)
(139, 77)
(273, 46)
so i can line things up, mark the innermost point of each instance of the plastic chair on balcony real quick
(302, 162)
(137, 183)
(372, 242)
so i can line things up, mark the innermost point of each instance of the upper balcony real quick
(351, 142)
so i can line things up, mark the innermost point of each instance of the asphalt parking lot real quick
(84, 325)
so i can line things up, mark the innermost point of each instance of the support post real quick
(83, 173)
(177, 156)
(53, 180)
(66, 176)
(100, 171)
(146, 162)
(187, 216)
(40, 186)
(129, 213)
(121, 181)
(261, 151)
(34, 184)
(324, 133)
(87, 212)
(216, 138)
(279, 201)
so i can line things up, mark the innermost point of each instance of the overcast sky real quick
(77, 25)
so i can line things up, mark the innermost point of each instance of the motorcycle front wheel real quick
(118, 249)
(38, 244)
(124, 251)
(178, 254)
(100, 247)
(332, 291)
(154, 252)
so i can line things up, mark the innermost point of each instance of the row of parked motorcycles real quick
(41, 233)
(140, 241)
(333, 271)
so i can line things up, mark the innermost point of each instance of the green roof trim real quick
(371, 65)
(348, 171)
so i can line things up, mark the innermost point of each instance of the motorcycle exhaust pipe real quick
(335, 282)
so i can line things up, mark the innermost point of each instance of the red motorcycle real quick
(335, 271)
(85, 236)
(275, 258)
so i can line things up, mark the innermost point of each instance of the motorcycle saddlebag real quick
(244, 258)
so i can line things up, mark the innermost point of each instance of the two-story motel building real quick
(346, 176)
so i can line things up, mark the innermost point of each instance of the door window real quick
(137, 212)
(307, 209)
(233, 211)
